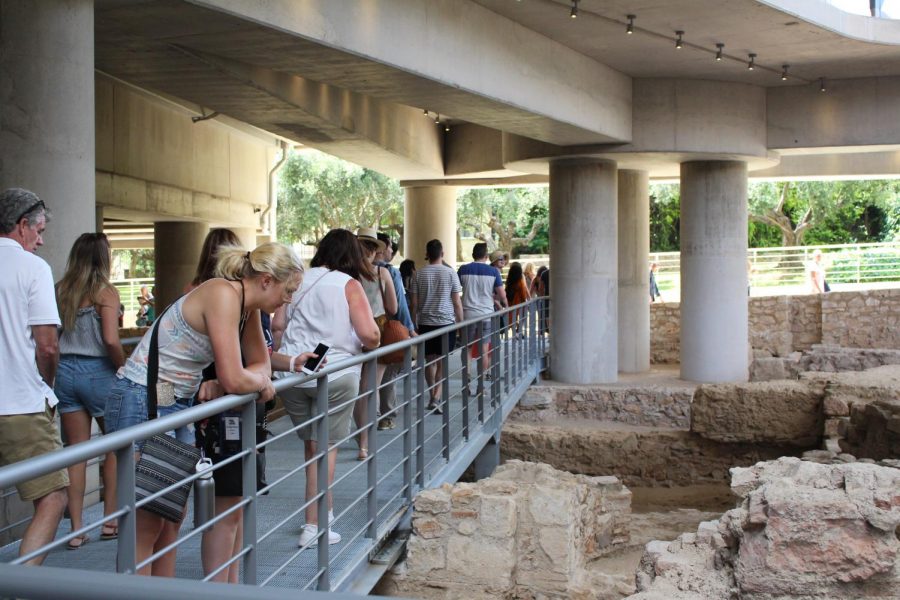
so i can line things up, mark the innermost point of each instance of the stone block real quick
(784, 412)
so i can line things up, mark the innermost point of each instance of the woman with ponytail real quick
(199, 328)
(90, 353)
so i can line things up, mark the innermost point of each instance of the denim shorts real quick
(127, 406)
(83, 383)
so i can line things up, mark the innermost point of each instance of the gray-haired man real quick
(29, 353)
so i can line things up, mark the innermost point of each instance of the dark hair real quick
(340, 250)
(433, 249)
(513, 278)
(407, 268)
(394, 247)
(479, 251)
(215, 239)
(384, 238)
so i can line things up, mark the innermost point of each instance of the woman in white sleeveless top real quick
(330, 308)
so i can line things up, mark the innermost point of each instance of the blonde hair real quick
(271, 258)
(86, 276)
(529, 269)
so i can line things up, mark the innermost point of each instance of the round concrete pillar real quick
(583, 279)
(47, 103)
(634, 278)
(178, 245)
(247, 235)
(714, 330)
(429, 213)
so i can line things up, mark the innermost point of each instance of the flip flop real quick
(77, 542)
(109, 532)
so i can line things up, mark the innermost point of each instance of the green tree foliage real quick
(665, 217)
(824, 212)
(318, 192)
(512, 219)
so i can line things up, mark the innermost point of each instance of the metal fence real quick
(431, 447)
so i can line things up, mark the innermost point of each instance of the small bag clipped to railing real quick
(164, 460)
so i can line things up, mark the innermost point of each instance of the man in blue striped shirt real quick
(482, 287)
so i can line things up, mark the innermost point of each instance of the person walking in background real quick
(383, 302)
(654, 288)
(90, 354)
(482, 288)
(815, 272)
(330, 308)
(529, 275)
(29, 353)
(516, 292)
(219, 320)
(436, 304)
(387, 398)
(407, 272)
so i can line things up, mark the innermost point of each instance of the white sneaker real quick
(309, 533)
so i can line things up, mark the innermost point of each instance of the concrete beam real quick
(465, 61)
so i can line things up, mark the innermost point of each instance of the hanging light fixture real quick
(719, 52)
(630, 29)
(574, 12)
(784, 72)
(678, 41)
(752, 64)
(821, 84)
(437, 118)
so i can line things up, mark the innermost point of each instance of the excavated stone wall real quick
(780, 325)
(527, 532)
(802, 530)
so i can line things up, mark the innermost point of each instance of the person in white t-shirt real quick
(29, 353)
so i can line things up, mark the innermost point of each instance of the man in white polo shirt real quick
(29, 353)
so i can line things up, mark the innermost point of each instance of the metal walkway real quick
(371, 498)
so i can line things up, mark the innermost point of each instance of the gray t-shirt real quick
(432, 286)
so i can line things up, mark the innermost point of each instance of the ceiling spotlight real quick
(719, 51)
(574, 12)
(447, 127)
(678, 41)
(630, 29)
(425, 111)
(752, 64)
(784, 72)
(821, 84)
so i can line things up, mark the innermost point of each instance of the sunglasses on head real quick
(38, 204)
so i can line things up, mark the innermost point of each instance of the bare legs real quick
(48, 510)
(77, 428)
(310, 447)
(223, 541)
(361, 408)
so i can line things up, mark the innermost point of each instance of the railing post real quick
(126, 551)
(324, 583)
(445, 393)
(371, 384)
(479, 367)
(464, 359)
(420, 414)
(533, 360)
(495, 362)
(408, 424)
(507, 347)
(248, 442)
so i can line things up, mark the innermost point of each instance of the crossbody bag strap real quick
(381, 289)
(153, 364)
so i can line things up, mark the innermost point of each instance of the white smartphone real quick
(312, 364)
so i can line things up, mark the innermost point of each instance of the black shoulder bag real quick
(164, 460)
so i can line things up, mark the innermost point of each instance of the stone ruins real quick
(653, 488)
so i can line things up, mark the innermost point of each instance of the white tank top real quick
(319, 312)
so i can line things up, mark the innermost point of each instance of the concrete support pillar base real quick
(714, 330)
(178, 245)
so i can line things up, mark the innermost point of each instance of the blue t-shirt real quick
(479, 280)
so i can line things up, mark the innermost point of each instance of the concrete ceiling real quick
(744, 26)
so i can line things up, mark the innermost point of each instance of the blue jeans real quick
(127, 406)
(84, 383)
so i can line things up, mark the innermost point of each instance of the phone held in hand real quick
(312, 364)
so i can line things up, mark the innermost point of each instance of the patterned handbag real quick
(164, 460)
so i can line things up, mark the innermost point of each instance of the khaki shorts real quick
(26, 436)
(300, 404)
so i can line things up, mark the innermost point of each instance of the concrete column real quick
(429, 213)
(583, 279)
(47, 103)
(178, 245)
(247, 235)
(634, 278)
(714, 331)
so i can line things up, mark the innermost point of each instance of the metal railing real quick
(425, 452)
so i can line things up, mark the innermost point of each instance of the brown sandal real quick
(109, 532)
(77, 542)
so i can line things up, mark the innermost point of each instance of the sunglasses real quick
(38, 204)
